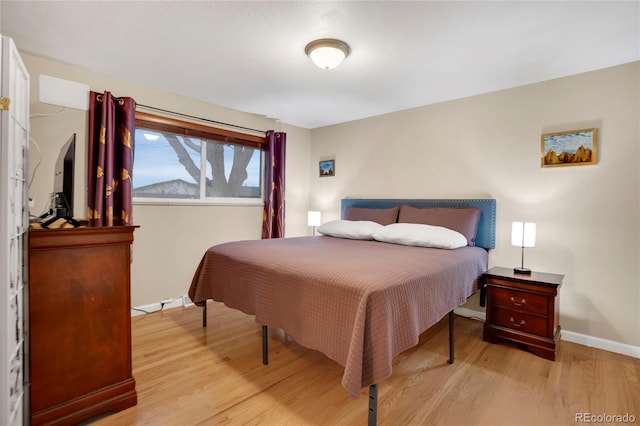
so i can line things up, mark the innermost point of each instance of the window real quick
(181, 162)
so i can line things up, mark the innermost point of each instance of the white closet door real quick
(14, 225)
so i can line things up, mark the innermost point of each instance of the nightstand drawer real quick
(519, 321)
(519, 300)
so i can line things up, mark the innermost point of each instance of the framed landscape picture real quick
(570, 148)
(327, 168)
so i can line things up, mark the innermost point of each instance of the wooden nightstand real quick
(523, 309)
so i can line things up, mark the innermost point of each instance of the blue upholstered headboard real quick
(486, 236)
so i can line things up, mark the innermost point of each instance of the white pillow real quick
(352, 229)
(414, 234)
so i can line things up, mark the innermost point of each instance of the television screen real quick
(64, 171)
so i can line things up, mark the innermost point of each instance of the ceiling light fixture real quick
(327, 53)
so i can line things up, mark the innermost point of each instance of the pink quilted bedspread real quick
(359, 302)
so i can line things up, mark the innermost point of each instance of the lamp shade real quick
(313, 218)
(327, 53)
(523, 234)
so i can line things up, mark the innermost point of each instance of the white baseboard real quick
(470, 313)
(599, 343)
(570, 336)
(155, 307)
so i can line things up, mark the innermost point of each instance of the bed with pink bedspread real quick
(358, 300)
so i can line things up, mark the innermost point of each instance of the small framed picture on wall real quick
(327, 168)
(569, 148)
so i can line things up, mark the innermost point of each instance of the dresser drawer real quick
(522, 301)
(519, 321)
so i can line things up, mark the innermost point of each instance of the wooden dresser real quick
(80, 323)
(523, 309)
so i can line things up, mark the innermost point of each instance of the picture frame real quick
(569, 148)
(327, 168)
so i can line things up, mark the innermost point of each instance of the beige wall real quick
(171, 239)
(489, 146)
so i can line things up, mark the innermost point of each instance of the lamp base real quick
(518, 270)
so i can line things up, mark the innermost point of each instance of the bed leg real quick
(451, 315)
(265, 347)
(204, 314)
(373, 405)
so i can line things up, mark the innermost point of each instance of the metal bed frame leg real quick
(265, 346)
(373, 405)
(451, 316)
(204, 314)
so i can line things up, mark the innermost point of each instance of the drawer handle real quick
(522, 302)
(520, 324)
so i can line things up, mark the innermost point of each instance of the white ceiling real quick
(249, 55)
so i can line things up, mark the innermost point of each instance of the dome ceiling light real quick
(327, 53)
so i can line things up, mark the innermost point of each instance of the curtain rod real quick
(200, 118)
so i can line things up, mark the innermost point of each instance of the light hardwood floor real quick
(189, 375)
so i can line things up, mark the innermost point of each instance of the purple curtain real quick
(110, 159)
(273, 217)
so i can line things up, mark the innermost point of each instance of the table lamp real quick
(313, 219)
(523, 234)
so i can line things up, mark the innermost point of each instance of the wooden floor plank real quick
(189, 375)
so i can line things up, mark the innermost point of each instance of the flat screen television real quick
(64, 176)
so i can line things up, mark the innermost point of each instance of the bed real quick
(357, 299)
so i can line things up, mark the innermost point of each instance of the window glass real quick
(172, 167)
(166, 166)
(233, 171)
